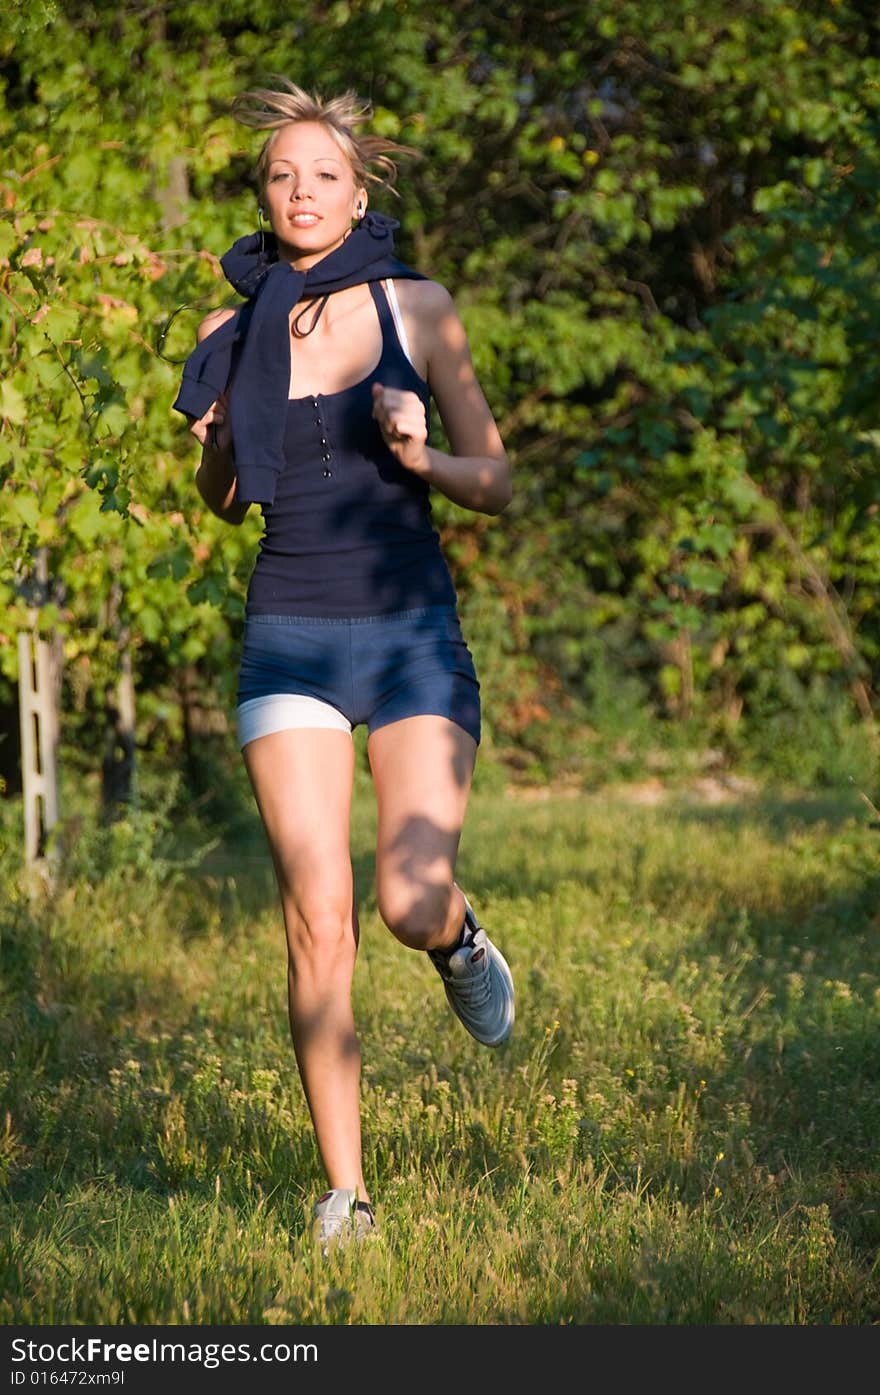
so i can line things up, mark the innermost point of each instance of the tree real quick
(622, 197)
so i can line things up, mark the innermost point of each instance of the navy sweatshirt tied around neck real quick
(258, 335)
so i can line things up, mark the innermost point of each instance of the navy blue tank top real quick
(349, 532)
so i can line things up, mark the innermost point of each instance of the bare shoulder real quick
(213, 321)
(426, 301)
(436, 330)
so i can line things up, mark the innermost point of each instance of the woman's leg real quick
(422, 770)
(302, 782)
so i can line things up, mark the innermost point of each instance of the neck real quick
(303, 261)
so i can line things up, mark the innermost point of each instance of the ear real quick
(360, 204)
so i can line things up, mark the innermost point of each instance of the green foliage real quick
(660, 223)
(146, 847)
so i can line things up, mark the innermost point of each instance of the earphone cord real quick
(295, 325)
(163, 332)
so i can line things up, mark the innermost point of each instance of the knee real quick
(417, 915)
(321, 938)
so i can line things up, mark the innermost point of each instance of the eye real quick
(282, 174)
(327, 174)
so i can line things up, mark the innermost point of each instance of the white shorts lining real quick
(261, 716)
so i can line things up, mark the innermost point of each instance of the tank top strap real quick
(390, 337)
(380, 300)
(394, 345)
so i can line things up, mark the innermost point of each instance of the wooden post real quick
(38, 714)
(119, 770)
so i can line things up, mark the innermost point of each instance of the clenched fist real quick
(215, 427)
(404, 425)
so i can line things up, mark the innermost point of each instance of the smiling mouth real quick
(304, 220)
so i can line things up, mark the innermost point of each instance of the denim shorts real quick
(318, 671)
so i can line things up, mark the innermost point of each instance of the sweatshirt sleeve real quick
(206, 371)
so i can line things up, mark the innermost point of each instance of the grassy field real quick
(683, 1129)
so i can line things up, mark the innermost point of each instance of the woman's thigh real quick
(422, 770)
(302, 783)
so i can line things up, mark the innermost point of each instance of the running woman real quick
(312, 400)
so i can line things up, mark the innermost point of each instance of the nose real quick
(301, 190)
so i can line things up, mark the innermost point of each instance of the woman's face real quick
(310, 195)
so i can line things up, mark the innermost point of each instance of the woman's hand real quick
(214, 428)
(404, 426)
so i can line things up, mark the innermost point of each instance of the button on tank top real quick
(350, 531)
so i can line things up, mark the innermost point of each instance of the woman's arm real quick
(477, 474)
(216, 479)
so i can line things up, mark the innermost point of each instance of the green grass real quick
(683, 1129)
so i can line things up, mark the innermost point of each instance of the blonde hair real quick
(271, 109)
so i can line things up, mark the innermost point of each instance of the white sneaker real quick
(478, 983)
(338, 1217)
